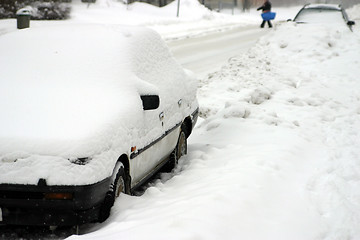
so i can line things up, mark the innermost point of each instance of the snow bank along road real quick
(208, 53)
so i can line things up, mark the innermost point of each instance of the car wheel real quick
(118, 187)
(179, 151)
(119, 184)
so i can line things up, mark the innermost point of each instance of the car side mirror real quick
(289, 20)
(150, 102)
(350, 23)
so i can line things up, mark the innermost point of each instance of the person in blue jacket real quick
(266, 7)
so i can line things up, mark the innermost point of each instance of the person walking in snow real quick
(266, 7)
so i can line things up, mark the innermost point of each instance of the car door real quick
(149, 151)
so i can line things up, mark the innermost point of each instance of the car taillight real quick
(58, 196)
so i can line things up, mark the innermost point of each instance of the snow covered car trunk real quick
(81, 104)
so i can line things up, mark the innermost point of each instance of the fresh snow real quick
(275, 152)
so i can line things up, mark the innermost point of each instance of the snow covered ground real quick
(275, 152)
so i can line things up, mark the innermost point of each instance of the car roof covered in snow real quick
(324, 6)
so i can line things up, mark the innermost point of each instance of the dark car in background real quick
(323, 13)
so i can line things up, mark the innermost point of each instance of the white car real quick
(87, 112)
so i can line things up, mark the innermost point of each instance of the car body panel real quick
(143, 163)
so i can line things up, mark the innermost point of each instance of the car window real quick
(317, 15)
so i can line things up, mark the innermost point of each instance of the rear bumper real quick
(48, 217)
(27, 205)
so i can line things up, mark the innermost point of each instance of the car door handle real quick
(161, 116)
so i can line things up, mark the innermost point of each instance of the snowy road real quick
(208, 53)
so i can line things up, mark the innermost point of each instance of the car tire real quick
(119, 186)
(179, 151)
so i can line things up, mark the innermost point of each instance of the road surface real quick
(208, 53)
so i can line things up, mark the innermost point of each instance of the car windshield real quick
(320, 15)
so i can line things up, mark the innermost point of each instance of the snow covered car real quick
(323, 13)
(88, 112)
